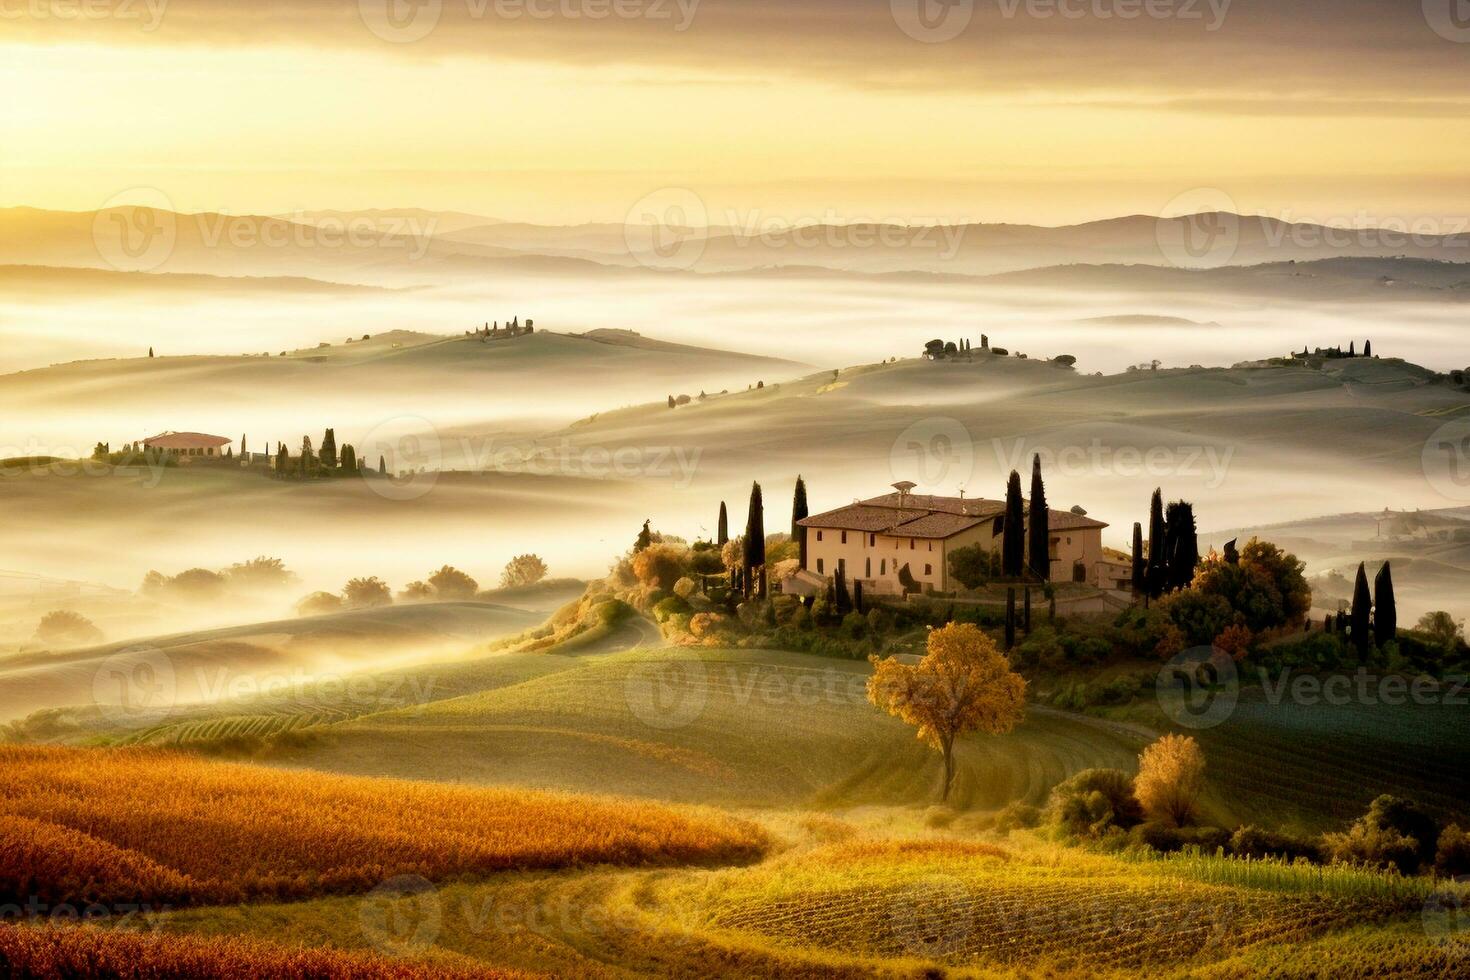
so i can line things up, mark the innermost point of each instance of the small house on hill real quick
(873, 540)
(187, 444)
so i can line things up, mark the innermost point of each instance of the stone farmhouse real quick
(872, 540)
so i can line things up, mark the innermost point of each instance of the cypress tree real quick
(1138, 561)
(283, 458)
(150, 352)
(798, 512)
(1361, 615)
(1039, 530)
(1367, 348)
(1183, 545)
(244, 450)
(722, 535)
(857, 596)
(839, 591)
(755, 538)
(1154, 574)
(1026, 619)
(1013, 541)
(1385, 611)
(329, 450)
(349, 459)
(382, 466)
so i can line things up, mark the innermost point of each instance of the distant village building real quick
(187, 444)
(872, 540)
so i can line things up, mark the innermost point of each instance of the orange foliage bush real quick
(72, 951)
(144, 825)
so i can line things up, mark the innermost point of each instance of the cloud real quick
(1348, 57)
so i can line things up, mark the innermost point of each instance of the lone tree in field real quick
(963, 684)
(522, 570)
(1385, 611)
(382, 466)
(1039, 530)
(1013, 541)
(798, 513)
(1171, 774)
(755, 544)
(1138, 560)
(1361, 635)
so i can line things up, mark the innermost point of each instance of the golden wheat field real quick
(42, 951)
(142, 825)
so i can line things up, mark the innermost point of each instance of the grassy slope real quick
(734, 727)
(202, 661)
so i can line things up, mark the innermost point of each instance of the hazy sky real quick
(564, 110)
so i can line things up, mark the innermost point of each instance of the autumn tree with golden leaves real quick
(963, 684)
(1171, 775)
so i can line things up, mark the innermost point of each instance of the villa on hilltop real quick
(872, 540)
(187, 444)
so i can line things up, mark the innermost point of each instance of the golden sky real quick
(1046, 111)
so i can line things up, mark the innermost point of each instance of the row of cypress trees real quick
(1016, 529)
(1372, 618)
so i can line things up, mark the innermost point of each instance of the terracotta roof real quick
(924, 516)
(186, 440)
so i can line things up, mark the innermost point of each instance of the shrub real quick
(973, 565)
(522, 570)
(1253, 842)
(1171, 774)
(63, 627)
(1092, 802)
(450, 583)
(318, 604)
(1452, 857)
(659, 566)
(707, 624)
(1017, 815)
(1167, 838)
(416, 591)
(365, 593)
(1377, 847)
(673, 605)
(854, 625)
